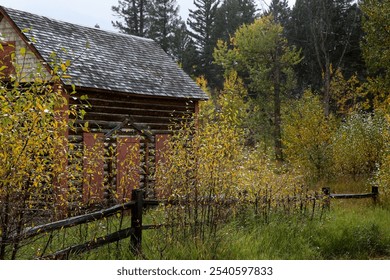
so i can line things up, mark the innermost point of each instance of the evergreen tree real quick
(184, 50)
(280, 11)
(202, 22)
(164, 20)
(154, 19)
(231, 15)
(134, 14)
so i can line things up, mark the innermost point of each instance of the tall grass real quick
(353, 233)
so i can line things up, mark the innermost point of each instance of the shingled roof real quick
(106, 60)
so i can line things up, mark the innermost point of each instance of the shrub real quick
(214, 177)
(358, 144)
(307, 137)
(382, 177)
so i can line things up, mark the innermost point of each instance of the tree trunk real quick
(135, 18)
(277, 114)
(141, 18)
(4, 226)
(327, 80)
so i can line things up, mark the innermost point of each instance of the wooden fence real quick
(328, 195)
(136, 207)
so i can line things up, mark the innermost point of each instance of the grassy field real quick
(342, 234)
(347, 233)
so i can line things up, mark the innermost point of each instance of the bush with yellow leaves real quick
(307, 137)
(33, 124)
(211, 176)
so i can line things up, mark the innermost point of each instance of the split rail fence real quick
(134, 232)
(328, 195)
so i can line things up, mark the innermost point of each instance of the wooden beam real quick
(70, 222)
(93, 244)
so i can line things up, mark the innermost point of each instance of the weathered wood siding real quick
(145, 117)
(29, 62)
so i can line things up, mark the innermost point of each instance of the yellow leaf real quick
(39, 106)
(23, 51)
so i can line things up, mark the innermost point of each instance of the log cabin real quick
(134, 90)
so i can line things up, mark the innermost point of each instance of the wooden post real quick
(326, 192)
(136, 221)
(375, 193)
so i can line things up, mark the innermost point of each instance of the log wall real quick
(123, 115)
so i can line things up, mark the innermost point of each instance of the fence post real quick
(375, 193)
(326, 193)
(136, 221)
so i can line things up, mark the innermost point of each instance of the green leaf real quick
(23, 51)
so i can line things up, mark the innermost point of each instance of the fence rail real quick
(73, 221)
(373, 194)
(135, 231)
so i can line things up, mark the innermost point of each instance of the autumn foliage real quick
(212, 176)
(34, 118)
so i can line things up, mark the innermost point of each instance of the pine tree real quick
(164, 20)
(184, 51)
(201, 23)
(280, 11)
(154, 19)
(134, 14)
(231, 15)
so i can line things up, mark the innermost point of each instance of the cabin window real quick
(7, 54)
